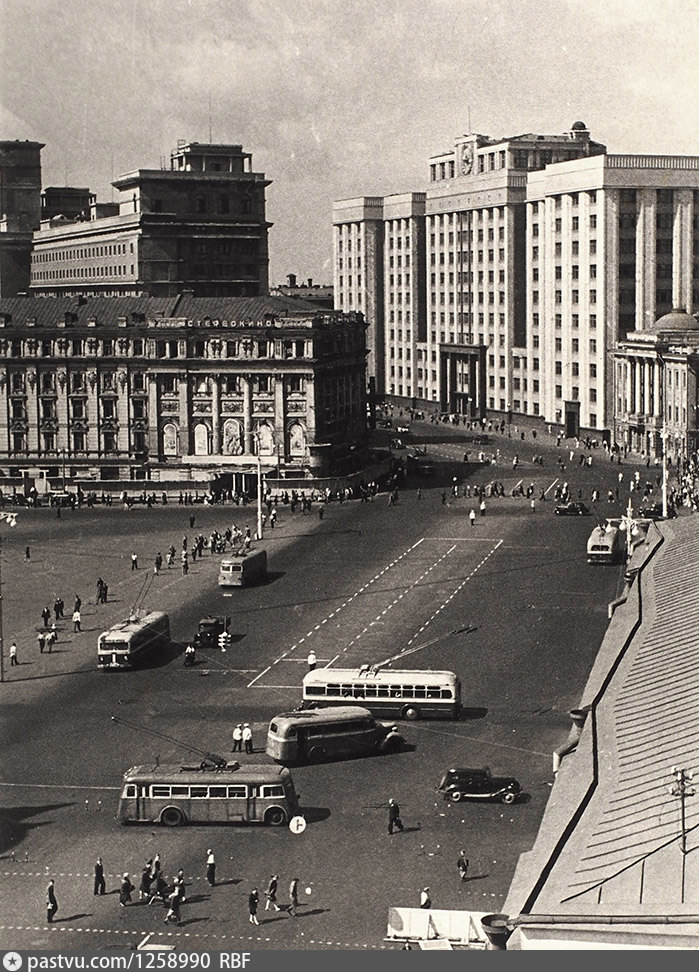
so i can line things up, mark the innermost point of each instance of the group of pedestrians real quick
(154, 888)
(242, 738)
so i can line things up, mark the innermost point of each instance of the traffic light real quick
(224, 641)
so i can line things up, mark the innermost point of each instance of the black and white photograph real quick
(349, 466)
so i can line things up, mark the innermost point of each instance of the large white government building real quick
(505, 285)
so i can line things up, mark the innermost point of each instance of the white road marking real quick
(337, 610)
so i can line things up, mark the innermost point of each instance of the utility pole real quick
(683, 788)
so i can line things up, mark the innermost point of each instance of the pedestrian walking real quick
(51, 902)
(192, 521)
(253, 901)
(185, 563)
(444, 498)
(13, 654)
(179, 883)
(321, 512)
(59, 606)
(156, 864)
(482, 507)
(425, 900)
(76, 621)
(394, 816)
(27, 554)
(45, 616)
(210, 868)
(238, 738)
(51, 638)
(100, 886)
(472, 517)
(311, 660)
(173, 912)
(271, 893)
(57, 609)
(419, 492)
(146, 881)
(158, 563)
(160, 889)
(293, 897)
(125, 890)
(462, 864)
(41, 639)
(134, 561)
(247, 737)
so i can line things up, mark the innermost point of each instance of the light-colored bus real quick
(175, 795)
(408, 694)
(128, 642)
(606, 544)
(316, 734)
(243, 569)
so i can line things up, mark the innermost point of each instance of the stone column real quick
(645, 258)
(123, 414)
(638, 378)
(215, 415)
(93, 413)
(279, 415)
(247, 415)
(185, 445)
(154, 449)
(32, 388)
(62, 436)
(657, 399)
(682, 249)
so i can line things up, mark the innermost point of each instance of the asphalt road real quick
(367, 583)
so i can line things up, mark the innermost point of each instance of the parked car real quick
(403, 428)
(478, 784)
(654, 511)
(571, 509)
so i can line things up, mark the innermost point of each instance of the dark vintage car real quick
(571, 509)
(208, 631)
(478, 784)
(654, 511)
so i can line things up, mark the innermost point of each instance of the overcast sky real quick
(337, 98)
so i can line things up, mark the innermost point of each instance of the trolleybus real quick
(408, 694)
(127, 642)
(174, 795)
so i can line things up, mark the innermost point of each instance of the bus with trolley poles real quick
(128, 642)
(212, 790)
(242, 570)
(405, 694)
(607, 543)
(312, 735)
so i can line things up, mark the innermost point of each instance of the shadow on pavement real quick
(15, 822)
(316, 814)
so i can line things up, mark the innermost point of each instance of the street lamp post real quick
(259, 485)
(11, 519)
(629, 525)
(663, 437)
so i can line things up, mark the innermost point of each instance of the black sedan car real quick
(654, 511)
(571, 509)
(478, 784)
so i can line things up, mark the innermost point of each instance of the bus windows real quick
(272, 790)
(199, 791)
(218, 791)
(160, 791)
(237, 793)
(181, 791)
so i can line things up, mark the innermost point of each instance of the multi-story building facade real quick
(199, 225)
(539, 252)
(20, 212)
(178, 388)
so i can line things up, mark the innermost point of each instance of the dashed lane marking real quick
(58, 929)
(344, 604)
(377, 619)
(451, 596)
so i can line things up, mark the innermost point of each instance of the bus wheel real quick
(410, 712)
(316, 754)
(508, 798)
(275, 817)
(172, 817)
(457, 796)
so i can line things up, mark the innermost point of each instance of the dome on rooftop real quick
(677, 320)
(579, 126)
